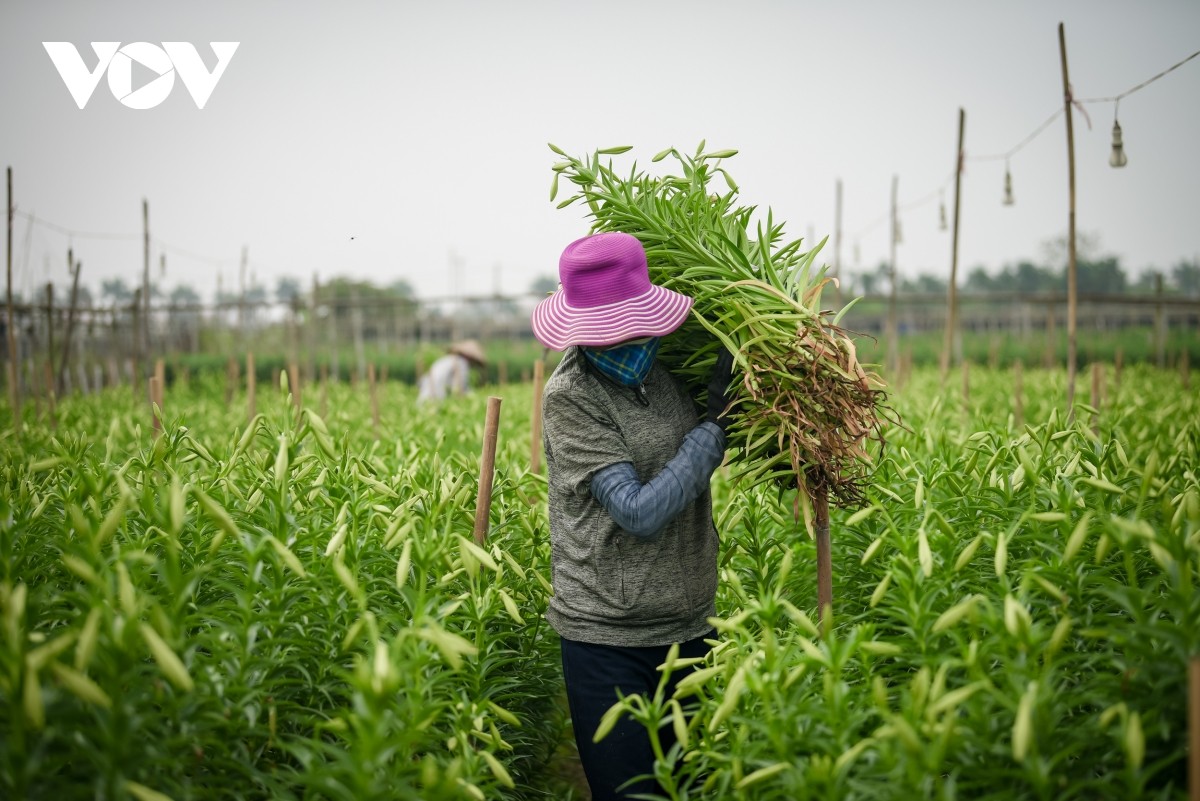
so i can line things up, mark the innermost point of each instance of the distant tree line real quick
(1095, 274)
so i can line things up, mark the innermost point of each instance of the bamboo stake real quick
(145, 333)
(374, 398)
(1160, 337)
(251, 387)
(14, 374)
(952, 300)
(1072, 283)
(487, 468)
(75, 268)
(535, 459)
(893, 345)
(820, 502)
(160, 372)
(50, 335)
(1194, 728)
(1019, 393)
(837, 243)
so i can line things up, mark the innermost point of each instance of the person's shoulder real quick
(571, 382)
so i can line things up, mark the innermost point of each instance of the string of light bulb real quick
(1117, 156)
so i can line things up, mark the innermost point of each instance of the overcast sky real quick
(386, 140)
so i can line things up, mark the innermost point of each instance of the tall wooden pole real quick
(242, 297)
(948, 347)
(535, 458)
(145, 332)
(820, 501)
(837, 242)
(75, 268)
(1071, 276)
(893, 345)
(49, 337)
(1160, 332)
(487, 470)
(14, 390)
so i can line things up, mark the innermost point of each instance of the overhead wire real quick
(1030, 137)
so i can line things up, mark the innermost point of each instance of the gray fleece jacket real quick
(612, 587)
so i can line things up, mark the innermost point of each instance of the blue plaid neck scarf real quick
(626, 364)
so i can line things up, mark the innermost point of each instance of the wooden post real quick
(145, 332)
(1194, 728)
(952, 290)
(893, 345)
(994, 352)
(134, 339)
(1071, 271)
(1019, 393)
(160, 372)
(487, 468)
(50, 336)
(374, 398)
(1117, 365)
(1160, 329)
(14, 374)
(837, 242)
(155, 422)
(75, 268)
(251, 387)
(820, 502)
(242, 296)
(535, 458)
(502, 373)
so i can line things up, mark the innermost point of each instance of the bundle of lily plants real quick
(806, 408)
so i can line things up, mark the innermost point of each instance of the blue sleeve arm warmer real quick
(645, 509)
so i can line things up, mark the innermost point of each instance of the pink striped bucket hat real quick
(606, 296)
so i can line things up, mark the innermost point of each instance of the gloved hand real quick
(719, 395)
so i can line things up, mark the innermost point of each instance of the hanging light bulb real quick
(942, 213)
(1008, 196)
(1117, 159)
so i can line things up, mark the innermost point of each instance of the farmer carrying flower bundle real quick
(633, 545)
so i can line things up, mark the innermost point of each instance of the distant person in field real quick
(451, 374)
(632, 541)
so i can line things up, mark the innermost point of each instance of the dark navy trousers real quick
(594, 674)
